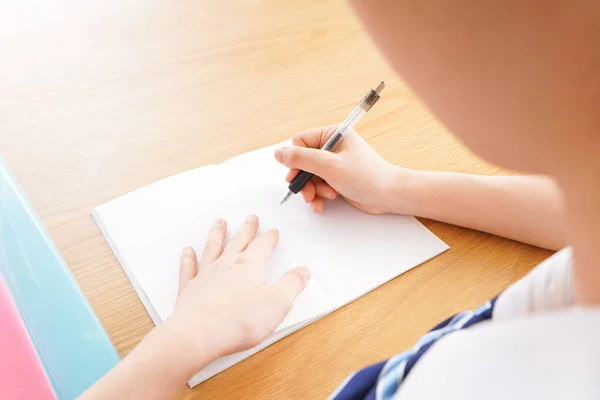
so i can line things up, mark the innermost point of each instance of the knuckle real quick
(212, 244)
(297, 139)
(241, 258)
(294, 155)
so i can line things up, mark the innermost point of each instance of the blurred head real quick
(518, 81)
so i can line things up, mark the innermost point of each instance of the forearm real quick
(523, 208)
(156, 369)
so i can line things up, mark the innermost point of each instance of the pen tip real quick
(380, 87)
(286, 197)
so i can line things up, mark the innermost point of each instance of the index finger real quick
(262, 247)
(314, 138)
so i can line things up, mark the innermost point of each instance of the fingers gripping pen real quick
(356, 115)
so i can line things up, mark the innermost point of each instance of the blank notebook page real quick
(349, 252)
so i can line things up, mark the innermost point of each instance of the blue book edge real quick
(70, 340)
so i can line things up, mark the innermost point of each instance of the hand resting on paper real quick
(224, 293)
(224, 306)
(355, 171)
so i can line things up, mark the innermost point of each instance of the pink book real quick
(21, 373)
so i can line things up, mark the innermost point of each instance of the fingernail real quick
(330, 195)
(218, 222)
(305, 274)
(250, 217)
(187, 251)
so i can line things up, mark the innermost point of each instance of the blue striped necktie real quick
(381, 381)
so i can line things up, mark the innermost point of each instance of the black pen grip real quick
(300, 181)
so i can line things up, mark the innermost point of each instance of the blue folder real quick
(72, 344)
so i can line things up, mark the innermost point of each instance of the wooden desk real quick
(99, 98)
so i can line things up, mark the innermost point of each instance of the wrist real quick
(399, 190)
(189, 352)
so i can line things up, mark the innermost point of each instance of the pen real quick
(356, 115)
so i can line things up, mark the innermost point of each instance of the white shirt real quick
(537, 345)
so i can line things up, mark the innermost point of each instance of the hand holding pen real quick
(302, 178)
(354, 171)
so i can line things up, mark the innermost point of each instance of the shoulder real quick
(537, 345)
(548, 356)
(551, 356)
(549, 286)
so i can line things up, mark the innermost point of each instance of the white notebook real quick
(348, 252)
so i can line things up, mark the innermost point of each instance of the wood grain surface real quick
(100, 98)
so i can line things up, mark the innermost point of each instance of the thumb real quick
(316, 161)
(292, 283)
